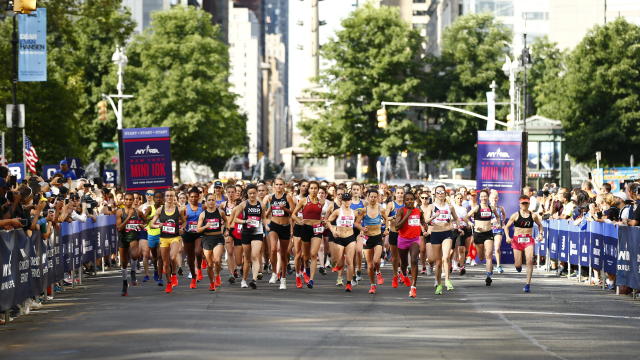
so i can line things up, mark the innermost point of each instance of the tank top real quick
(461, 211)
(170, 223)
(444, 217)
(253, 215)
(366, 220)
(356, 206)
(483, 213)
(212, 220)
(345, 220)
(411, 228)
(134, 223)
(150, 231)
(312, 211)
(325, 209)
(218, 202)
(522, 222)
(192, 218)
(335, 207)
(278, 205)
(396, 206)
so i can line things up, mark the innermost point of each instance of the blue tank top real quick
(218, 202)
(396, 206)
(357, 206)
(366, 220)
(193, 215)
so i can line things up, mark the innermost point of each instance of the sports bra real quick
(483, 214)
(356, 206)
(366, 220)
(524, 223)
(344, 220)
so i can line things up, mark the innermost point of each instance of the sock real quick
(489, 273)
(124, 274)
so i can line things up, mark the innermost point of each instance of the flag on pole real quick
(30, 155)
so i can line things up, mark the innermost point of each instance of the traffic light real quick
(381, 114)
(24, 6)
(102, 111)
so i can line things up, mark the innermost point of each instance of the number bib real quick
(318, 229)
(253, 222)
(523, 239)
(133, 225)
(169, 228)
(277, 211)
(485, 213)
(213, 224)
(192, 226)
(345, 221)
(414, 220)
(442, 218)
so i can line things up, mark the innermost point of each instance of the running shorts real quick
(153, 240)
(345, 241)
(126, 238)
(462, 236)
(142, 235)
(437, 237)
(480, 237)
(307, 233)
(371, 242)
(209, 242)
(166, 242)
(521, 242)
(393, 238)
(283, 231)
(190, 237)
(247, 238)
(405, 243)
(297, 230)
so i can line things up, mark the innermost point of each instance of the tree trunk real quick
(371, 174)
(177, 174)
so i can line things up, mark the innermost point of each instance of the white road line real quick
(527, 336)
(563, 314)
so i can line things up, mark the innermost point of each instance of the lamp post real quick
(526, 60)
(510, 68)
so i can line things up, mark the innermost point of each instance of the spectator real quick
(634, 209)
(567, 206)
(588, 187)
(605, 188)
(65, 171)
(534, 205)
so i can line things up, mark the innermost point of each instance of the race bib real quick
(523, 239)
(239, 227)
(213, 224)
(485, 213)
(318, 229)
(443, 216)
(253, 222)
(345, 221)
(364, 239)
(277, 211)
(192, 226)
(133, 225)
(169, 228)
(414, 220)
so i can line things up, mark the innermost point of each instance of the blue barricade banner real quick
(596, 232)
(563, 241)
(585, 248)
(627, 259)
(552, 239)
(574, 243)
(610, 248)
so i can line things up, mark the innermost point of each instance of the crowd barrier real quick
(600, 246)
(30, 264)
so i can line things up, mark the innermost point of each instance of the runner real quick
(153, 236)
(312, 229)
(297, 236)
(462, 234)
(341, 222)
(358, 205)
(233, 240)
(144, 236)
(372, 219)
(425, 243)
(337, 203)
(482, 233)
(169, 219)
(250, 215)
(191, 238)
(279, 209)
(522, 240)
(218, 192)
(211, 222)
(324, 251)
(128, 222)
(409, 225)
(440, 217)
(496, 227)
(264, 257)
(392, 208)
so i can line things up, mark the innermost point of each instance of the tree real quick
(547, 62)
(178, 70)
(374, 58)
(597, 97)
(473, 51)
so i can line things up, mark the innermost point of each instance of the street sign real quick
(110, 145)
(110, 176)
(49, 170)
(17, 169)
(9, 115)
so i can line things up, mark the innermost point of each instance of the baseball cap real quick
(346, 197)
(64, 162)
(217, 183)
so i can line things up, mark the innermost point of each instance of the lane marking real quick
(563, 314)
(527, 336)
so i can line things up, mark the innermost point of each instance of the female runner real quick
(192, 239)
(298, 266)
(496, 227)
(392, 208)
(463, 234)
(169, 219)
(482, 233)
(341, 222)
(279, 209)
(233, 240)
(409, 223)
(249, 213)
(128, 222)
(369, 222)
(211, 223)
(312, 229)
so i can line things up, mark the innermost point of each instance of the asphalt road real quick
(559, 319)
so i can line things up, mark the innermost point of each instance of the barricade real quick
(31, 264)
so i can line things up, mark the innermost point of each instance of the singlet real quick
(411, 228)
(218, 202)
(444, 217)
(524, 223)
(312, 211)
(134, 223)
(325, 209)
(483, 214)
(151, 231)
(344, 220)
(253, 215)
(192, 218)
(462, 212)
(277, 205)
(394, 211)
(356, 206)
(366, 220)
(212, 220)
(170, 223)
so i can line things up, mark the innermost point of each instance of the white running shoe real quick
(243, 284)
(473, 262)
(273, 279)
(283, 284)
(189, 276)
(468, 262)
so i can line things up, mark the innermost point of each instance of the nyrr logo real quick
(624, 255)
(147, 150)
(498, 154)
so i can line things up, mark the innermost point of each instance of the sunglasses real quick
(524, 203)
(423, 197)
(149, 194)
(439, 192)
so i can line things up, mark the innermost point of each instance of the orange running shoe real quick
(407, 281)
(174, 280)
(168, 289)
(194, 284)
(380, 279)
(412, 292)
(306, 277)
(298, 282)
(204, 264)
(348, 288)
(372, 289)
(394, 282)
(218, 280)
(199, 275)
(336, 268)
(212, 286)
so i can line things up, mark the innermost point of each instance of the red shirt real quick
(411, 228)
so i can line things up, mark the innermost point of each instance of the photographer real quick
(632, 190)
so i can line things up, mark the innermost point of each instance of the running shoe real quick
(156, 277)
(204, 264)
(424, 270)
(348, 288)
(218, 280)
(168, 289)
(252, 283)
(199, 276)
(160, 283)
(526, 288)
(407, 281)
(194, 284)
(243, 284)
(380, 279)
(189, 276)
(235, 273)
(468, 261)
(306, 277)
(463, 271)
(212, 286)
(146, 278)
(473, 262)
(174, 280)
(283, 284)
(298, 282)
(265, 268)
(336, 268)
(394, 282)
(125, 286)
(435, 283)
(372, 289)
(273, 279)
(488, 281)
(439, 289)
(412, 292)
(310, 284)
(339, 282)
(358, 275)
(519, 269)
(322, 271)
(260, 276)
(448, 284)
(180, 271)
(232, 279)
(500, 269)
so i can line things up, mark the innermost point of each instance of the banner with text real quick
(32, 46)
(147, 158)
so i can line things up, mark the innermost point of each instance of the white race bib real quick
(318, 229)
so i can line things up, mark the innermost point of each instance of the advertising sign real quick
(32, 46)
(147, 158)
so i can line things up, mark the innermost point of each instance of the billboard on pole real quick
(147, 158)
(32, 46)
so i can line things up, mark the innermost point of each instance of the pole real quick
(525, 60)
(14, 88)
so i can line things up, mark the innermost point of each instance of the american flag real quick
(30, 155)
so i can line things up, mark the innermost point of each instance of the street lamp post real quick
(526, 60)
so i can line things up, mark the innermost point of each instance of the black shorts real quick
(247, 238)
(209, 242)
(190, 237)
(330, 237)
(461, 237)
(393, 238)
(307, 233)
(438, 237)
(373, 241)
(236, 241)
(297, 230)
(480, 237)
(283, 231)
(427, 239)
(345, 241)
(126, 238)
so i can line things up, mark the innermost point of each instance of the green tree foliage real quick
(597, 98)
(547, 62)
(473, 52)
(374, 58)
(178, 71)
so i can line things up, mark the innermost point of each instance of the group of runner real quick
(258, 227)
